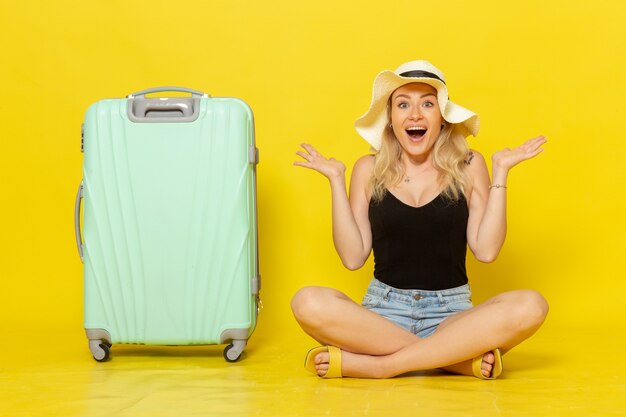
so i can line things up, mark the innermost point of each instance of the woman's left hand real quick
(508, 158)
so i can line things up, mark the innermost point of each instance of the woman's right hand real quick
(330, 168)
(351, 230)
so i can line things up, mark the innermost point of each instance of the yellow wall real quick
(306, 69)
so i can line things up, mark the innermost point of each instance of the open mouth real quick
(416, 132)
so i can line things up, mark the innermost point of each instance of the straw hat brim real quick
(372, 124)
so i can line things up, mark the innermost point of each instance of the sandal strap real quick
(334, 369)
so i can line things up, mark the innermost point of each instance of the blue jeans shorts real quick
(417, 311)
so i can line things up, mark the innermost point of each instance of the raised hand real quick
(330, 168)
(508, 158)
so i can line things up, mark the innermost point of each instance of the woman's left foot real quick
(489, 366)
(486, 368)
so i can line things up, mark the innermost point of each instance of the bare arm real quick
(351, 229)
(486, 229)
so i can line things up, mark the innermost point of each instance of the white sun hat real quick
(372, 124)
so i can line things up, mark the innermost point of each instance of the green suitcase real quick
(169, 224)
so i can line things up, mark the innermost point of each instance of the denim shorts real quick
(417, 311)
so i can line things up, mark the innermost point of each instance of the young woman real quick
(418, 202)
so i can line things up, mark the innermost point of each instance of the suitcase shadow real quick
(142, 351)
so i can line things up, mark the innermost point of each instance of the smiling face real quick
(416, 119)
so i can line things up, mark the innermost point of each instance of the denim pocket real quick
(371, 301)
(458, 306)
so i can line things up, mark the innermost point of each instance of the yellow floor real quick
(558, 373)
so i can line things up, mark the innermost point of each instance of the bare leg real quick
(503, 321)
(465, 367)
(332, 318)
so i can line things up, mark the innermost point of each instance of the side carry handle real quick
(79, 240)
(142, 93)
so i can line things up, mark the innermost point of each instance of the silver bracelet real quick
(497, 186)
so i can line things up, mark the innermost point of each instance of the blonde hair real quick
(450, 153)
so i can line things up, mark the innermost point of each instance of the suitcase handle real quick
(170, 107)
(194, 93)
(79, 240)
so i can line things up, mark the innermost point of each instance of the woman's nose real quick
(415, 113)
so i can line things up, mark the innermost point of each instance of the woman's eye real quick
(428, 104)
(403, 105)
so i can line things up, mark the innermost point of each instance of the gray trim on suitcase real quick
(79, 240)
(234, 334)
(253, 154)
(99, 334)
(254, 160)
(163, 110)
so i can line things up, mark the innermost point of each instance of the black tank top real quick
(419, 247)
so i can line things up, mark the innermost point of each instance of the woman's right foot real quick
(465, 368)
(352, 365)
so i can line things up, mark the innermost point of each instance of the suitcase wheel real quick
(100, 351)
(232, 352)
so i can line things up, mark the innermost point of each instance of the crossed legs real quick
(373, 347)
